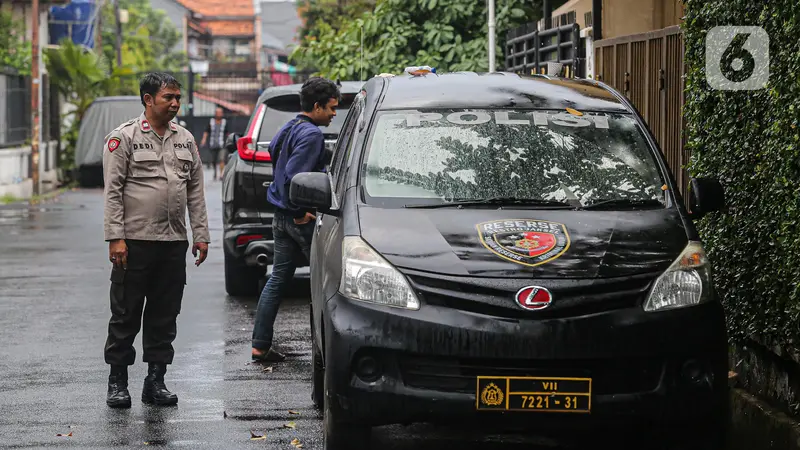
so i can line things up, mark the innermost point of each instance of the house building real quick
(16, 179)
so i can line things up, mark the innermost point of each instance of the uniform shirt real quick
(307, 146)
(150, 182)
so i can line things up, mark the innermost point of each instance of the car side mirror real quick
(231, 141)
(312, 190)
(705, 195)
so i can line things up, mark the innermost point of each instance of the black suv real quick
(511, 250)
(246, 214)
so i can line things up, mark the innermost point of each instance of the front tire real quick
(317, 369)
(337, 433)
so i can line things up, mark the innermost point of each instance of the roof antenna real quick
(361, 77)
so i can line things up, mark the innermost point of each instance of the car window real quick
(349, 143)
(344, 137)
(448, 155)
(284, 108)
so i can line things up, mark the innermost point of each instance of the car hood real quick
(536, 243)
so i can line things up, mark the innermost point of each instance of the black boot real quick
(118, 395)
(155, 391)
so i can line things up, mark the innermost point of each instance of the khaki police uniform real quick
(150, 182)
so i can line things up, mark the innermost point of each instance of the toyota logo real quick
(534, 298)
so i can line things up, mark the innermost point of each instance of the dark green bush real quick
(750, 140)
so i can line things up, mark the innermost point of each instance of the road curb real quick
(756, 425)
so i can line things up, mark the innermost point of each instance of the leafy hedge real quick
(750, 140)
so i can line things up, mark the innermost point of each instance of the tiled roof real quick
(221, 8)
(230, 27)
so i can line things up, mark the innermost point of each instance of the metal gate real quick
(528, 50)
(648, 69)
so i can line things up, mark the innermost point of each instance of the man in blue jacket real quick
(299, 146)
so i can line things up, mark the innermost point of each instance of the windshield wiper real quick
(497, 201)
(623, 202)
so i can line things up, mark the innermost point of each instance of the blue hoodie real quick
(307, 155)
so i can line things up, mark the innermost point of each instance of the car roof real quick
(497, 90)
(347, 87)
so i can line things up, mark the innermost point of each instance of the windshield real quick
(435, 156)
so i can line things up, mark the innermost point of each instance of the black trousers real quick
(156, 273)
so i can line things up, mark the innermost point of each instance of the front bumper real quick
(429, 361)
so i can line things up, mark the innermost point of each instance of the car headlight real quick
(687, 282)
(366, 276)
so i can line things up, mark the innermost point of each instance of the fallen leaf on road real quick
(268, 369)
(256, 437)
(290, 425)
(294, 412)
(732, 374)
(224, 415)
(64, 435)
(296, 443)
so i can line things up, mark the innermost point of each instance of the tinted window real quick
(446, 155)
(284, 108)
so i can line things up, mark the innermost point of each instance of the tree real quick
(148, 38)
(15, 51)
(81, 76)
(450, 35)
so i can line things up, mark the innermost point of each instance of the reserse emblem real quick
(534, 298)
(524, 241)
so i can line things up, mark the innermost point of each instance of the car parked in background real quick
(102, 117)
(246, 214)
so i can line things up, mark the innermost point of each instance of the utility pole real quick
(35, 90)
(492, 44)
(119, 33)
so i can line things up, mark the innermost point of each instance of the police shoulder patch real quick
(113, 144)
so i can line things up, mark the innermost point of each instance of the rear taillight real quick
(245, 238)
(246, 144)
(263, 156)
(246, 147)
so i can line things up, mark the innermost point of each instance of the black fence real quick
(528, 49)
(15, 111)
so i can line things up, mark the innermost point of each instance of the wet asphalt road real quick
(54, 283)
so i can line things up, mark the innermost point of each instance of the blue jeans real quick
(292, 241)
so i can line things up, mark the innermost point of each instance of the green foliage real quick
(15, 51)
(148, 38)
(81, 76)
(750, 141)
(450, 35)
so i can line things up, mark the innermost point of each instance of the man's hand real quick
(305, 219)
(118, 253)
(203, 248)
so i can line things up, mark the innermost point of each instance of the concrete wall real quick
(15, 170)
(624, 17)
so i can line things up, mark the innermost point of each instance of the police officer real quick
(153, 173)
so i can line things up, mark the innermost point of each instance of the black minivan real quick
(513, 251)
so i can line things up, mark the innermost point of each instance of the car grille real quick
(609, 376)
(496, 296)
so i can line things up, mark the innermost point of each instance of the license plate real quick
(534, 394)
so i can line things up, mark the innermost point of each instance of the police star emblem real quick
(492, 395)
(113, 143)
